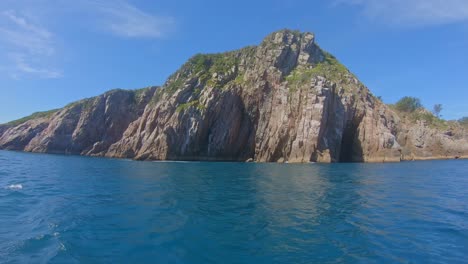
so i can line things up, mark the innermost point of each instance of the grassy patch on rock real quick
(213, 70)
(429, 118)
(330, 68)
(195, 103)
(421, 114)
(44, 114)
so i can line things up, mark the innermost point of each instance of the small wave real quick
(15, 187)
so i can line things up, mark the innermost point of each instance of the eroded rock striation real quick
(285, 100)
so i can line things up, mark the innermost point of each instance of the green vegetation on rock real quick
(239, 79)
(429, 118)
(330, 68)
(140, 92)
(172, 86)
(85, 104)
(408, 104)
(44, 114)
(194, 103)
(213, 70)
(205, 65)
(215, 64)
(411, 109)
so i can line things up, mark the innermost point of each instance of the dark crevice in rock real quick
(351, 147)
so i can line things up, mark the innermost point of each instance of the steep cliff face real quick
(86, 127)
(285, 100)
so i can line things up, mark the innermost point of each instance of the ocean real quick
(71, 209)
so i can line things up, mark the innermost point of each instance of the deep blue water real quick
(68, 209)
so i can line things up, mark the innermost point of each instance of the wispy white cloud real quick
(413, 13)
(126, 20)
(26, 67)
(28, 44)
(25, 44)
(26, 35)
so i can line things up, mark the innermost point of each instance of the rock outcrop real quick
(285, 100)
(86, 127)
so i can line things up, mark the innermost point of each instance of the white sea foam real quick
(62, 247)
(15, 187)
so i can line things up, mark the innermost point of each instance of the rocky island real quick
(285, 100)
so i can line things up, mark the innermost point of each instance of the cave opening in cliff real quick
(350, 150)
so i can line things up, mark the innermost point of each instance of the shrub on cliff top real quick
(408, 104)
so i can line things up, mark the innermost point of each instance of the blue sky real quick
(53, 52)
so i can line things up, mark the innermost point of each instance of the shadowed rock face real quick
(285, 100)
(3, 128)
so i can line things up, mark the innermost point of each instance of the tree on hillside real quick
(408, 104)
(437, 109)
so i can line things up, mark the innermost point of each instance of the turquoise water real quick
(66, 209)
